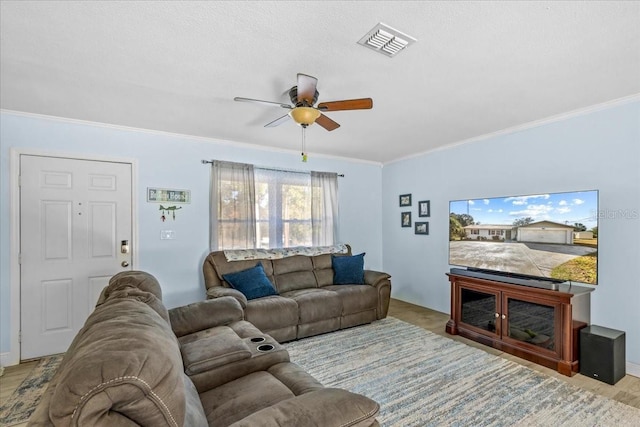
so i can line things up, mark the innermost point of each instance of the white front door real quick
(74, 217)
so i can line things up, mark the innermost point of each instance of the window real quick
(283, 209)
(232, 223)
(264, 208)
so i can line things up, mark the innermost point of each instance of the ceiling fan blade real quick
(306, 88)
(327, 123)
(347, 104)
(278, 121)
(259, 101)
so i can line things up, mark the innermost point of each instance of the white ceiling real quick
(477, 67)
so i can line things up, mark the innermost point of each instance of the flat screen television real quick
(548, 236)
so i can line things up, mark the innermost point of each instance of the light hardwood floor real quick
(12, 378)
(627, 390)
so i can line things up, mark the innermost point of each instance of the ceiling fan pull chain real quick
(304, 145)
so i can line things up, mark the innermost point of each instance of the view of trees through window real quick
(233, 205)
(283, 209)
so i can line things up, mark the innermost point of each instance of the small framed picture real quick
(424, 208)
(422, 227)
(405, 218)
(405, 200)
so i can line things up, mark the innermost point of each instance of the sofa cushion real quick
(295, 272)
(316, 304)
(252, 282)
(296, 280)
(237, 399)
(140, 280)
(125, 367)
(135, 284)
(270, 313)
(326, 407)
(194, 413)
(212, 351)
(355, 298)
(348, 270)
(323, 269)
(202, 315)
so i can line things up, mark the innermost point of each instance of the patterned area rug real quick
(21, 404)
(423, 379)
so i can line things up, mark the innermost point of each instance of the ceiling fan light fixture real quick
(304, 115)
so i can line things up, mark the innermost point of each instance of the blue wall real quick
(596, 150)
(599, 150)
(172, 161)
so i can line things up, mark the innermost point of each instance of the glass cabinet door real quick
(532, 323)
(479, 308)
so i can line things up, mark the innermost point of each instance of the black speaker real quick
(602, 354)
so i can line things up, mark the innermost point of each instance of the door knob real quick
(124, 264)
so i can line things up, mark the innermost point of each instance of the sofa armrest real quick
(203, 315)
(375, 278)
(221, 291)
(321, 408)
(381, 282)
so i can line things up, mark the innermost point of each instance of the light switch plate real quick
(167, 234)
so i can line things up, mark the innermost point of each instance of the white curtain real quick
(232, 219)
(324, 208)
(256, 207)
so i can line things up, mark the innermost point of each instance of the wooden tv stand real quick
(535, 320)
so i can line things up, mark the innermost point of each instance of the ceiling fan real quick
(303, 97)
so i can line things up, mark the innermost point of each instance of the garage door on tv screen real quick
(548, 236)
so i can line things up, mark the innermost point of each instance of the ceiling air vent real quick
(386, 40)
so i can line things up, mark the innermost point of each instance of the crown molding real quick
(529, 125)
(204, 139)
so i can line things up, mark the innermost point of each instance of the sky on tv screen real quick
(564, 208)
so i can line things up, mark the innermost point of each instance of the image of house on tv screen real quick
(551, 236)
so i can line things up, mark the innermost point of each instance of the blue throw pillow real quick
(348, 270)
(252, 282)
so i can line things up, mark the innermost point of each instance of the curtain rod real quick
(341, 175)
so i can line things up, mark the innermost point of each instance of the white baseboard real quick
(5, 359)
(633, 369)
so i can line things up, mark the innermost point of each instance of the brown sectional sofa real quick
(136, 364)
(308, 302)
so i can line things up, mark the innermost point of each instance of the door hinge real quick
(19, 259)
(19, 336)
(19, 181)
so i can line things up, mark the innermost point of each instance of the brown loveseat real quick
(126, 367)
(307, 301)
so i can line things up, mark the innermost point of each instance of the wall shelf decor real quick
(164, 195)
(169, 210)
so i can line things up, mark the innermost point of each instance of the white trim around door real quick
(13, 356)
